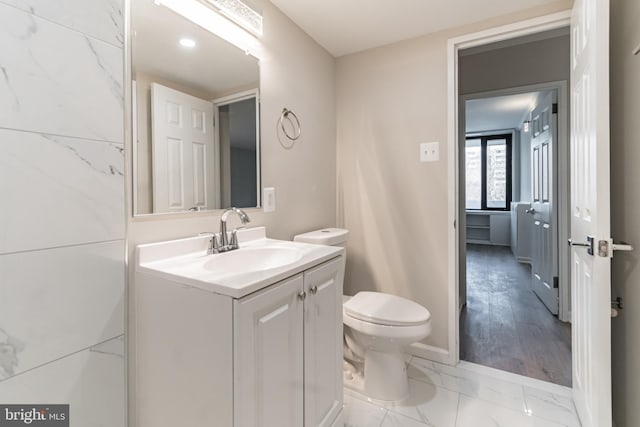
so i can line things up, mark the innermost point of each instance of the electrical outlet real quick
(269, 199)
(429, 151)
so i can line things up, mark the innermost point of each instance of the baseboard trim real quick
(430, 352)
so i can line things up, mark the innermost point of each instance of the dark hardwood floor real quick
(505, 326)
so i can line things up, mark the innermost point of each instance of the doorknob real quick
(530, 211)
(588, 244)
(621, 247)
(605, 247)
(314, 289)
(302, 295)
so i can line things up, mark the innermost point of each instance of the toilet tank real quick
(325, 236)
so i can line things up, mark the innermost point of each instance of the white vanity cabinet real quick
(288, 351)
(269, 357)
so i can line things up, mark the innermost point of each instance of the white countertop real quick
(183, 261)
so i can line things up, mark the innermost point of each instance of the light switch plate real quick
(429, 151)
(269, 199)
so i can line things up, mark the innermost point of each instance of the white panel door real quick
(268, 357)
(323, 343)
(544, 258)
(590, 211)
(182, 150)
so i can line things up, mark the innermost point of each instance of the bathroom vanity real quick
(244, 338)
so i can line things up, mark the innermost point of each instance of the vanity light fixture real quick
(188, 43)
(240, 13)
(525, 126)
(206, 17)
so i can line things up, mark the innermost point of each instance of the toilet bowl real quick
(378, 329)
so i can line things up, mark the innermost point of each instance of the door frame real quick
(492, 35)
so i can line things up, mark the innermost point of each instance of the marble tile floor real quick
(468, 395)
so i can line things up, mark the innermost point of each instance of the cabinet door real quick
(268, 359)
(323, 343)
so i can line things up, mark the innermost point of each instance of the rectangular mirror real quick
(195, 116)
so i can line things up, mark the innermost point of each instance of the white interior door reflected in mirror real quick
(183, 147)
(175, 167)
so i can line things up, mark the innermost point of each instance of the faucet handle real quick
(234, 237)
(213, 242)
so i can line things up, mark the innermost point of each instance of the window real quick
(488, 172)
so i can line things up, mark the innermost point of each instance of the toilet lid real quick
(385, 309)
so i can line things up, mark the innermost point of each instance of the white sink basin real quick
(252, 259)
(258, 263)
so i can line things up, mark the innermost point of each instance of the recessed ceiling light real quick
(187, 42)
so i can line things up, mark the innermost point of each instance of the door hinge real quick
(556, 285)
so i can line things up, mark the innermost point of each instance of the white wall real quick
(389, 100)
(625, 205)
(62, 223)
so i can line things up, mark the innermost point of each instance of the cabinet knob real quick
(314, 289)
(302, 295)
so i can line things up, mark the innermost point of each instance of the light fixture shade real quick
(241, 13)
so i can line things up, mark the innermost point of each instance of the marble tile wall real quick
(62, 216)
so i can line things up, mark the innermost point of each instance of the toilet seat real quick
(387, 331)
(385, 310)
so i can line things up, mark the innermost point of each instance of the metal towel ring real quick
(296, 126)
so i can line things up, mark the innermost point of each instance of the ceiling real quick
(498, 113)
(347, 26)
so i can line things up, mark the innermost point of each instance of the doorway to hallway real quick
(515, 302)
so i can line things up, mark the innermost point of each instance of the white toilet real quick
(378, 329)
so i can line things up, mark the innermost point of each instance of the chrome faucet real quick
(224, 245)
